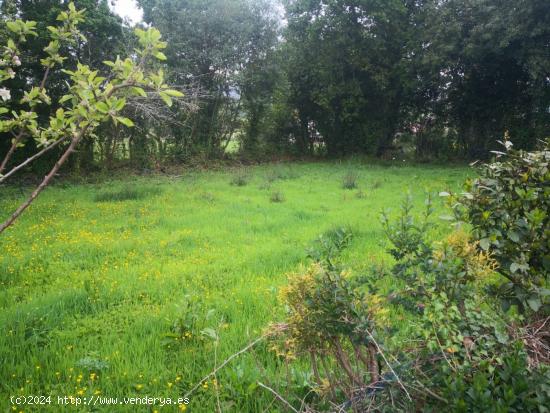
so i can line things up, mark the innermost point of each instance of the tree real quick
(216, 45)
(453, 74)
(89, 101)
(346, 69)
(104, 40)
(484, 66)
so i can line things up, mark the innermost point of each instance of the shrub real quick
(330, 245)
(508, 386)
(464, 356)
(331, 321)
(408, 236)
(508, 207)
(349, 181)
(468, 353)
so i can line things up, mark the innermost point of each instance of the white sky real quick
(127, 9)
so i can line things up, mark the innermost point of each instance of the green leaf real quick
(139, 91)
(513, 236)
(252, 387)
(65, 98)
(484, 243)
(174, 93)
(166, 98)
(501, 337)
(13, 26)
(125, 121)
(535, 303)
(119, 105)
(102, 107)
(160, 56)
(209, 332)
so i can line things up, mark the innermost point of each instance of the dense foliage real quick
(462, 353)
(219, 49)
(433, 79)
(104, 38)
(508, 208)
(442, 77)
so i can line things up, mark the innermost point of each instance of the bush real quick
(331, 320)
(510, 386)
(468, 354)
(508, 207)
(461, 354)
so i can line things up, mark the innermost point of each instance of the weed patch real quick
(127, 194)
(349, 181)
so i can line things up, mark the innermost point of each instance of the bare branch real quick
(278, 396)
(32, 158)
(221, 366)
(389, 365)
(45, 182)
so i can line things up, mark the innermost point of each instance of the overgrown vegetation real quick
(395, 80)
(173, 284)
(508, 207)
(464, 351)
(86, 283)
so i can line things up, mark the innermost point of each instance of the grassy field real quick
(118, 289)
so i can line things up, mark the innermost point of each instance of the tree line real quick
(433, 78)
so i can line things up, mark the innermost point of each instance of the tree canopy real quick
(435, 79)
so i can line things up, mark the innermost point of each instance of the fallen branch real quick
(278, 396)
(227, 361)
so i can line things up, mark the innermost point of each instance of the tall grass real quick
(132, 283)
(349, 180)
(126, 194)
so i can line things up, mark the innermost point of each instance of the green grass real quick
(102, 278)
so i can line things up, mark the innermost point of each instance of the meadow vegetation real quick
(242, 220)
(140, 285)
